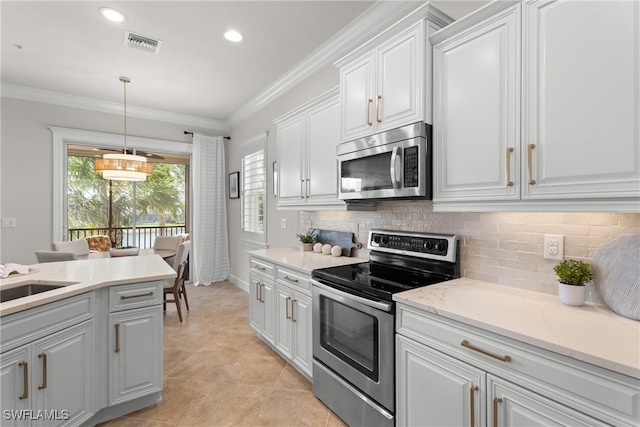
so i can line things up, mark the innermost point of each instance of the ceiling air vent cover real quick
(145, 43)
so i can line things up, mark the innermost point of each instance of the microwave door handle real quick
(394, 169)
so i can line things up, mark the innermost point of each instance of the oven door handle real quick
(342, 296)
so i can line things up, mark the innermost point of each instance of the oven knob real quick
(376, 239)
(439, 246)
(385, 240)
(428, 245)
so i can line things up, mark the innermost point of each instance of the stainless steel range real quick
(353, 321)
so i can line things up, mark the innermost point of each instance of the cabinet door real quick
(256, 307)
(434, 389)
(400, 80)
(15, 386)
(291, 141)
(63, 372)
(283, 336)
(302, 338)
(268, 302)
(135, 347)
(477, 114)
(581, 88)
(323, 124)
(356, 98)
(513, 406)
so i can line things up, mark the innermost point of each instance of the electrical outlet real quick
(8, 222)
(553, 246)
(283, 222)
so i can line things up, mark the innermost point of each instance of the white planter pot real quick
(571, 295)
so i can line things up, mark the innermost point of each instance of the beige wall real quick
(26, 166)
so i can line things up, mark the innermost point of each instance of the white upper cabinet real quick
(477, 119)
(386, 83)
(581, 86)
(536, 108)
(306, 143)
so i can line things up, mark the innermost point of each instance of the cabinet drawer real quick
(262, 267)
(137, 295)
(607, 395)
(29, 325)
(294, 278)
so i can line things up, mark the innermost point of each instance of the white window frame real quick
(251, 146)
(66, 136)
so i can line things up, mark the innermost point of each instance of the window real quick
(254, 189)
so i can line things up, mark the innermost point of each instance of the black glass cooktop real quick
(371, 279)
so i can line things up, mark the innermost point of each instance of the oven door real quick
(354, 337)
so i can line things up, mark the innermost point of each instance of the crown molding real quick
(92, 104)
(373, 21)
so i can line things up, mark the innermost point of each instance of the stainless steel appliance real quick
(353, 320)
(395, 164)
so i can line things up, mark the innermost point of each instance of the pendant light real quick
(124, 167)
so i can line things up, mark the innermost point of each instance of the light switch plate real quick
(8, 222)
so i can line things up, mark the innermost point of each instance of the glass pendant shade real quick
(123, 167)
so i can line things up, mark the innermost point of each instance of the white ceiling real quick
(68, 47)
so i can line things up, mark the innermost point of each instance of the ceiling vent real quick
(145, 43)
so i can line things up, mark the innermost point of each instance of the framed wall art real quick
(234, 185)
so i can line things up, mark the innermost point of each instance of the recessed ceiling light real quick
(112, 14)
(233, 36)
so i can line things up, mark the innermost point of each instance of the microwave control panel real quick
(411, 167)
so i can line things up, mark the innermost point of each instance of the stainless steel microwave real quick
(396, 164)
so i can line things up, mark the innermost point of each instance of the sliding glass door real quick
(130, 213)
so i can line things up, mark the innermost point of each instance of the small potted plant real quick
(308, 239)
(572, 276)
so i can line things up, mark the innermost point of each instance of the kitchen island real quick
(514, 353)
(88, 351)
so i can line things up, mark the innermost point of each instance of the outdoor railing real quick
(142, 237)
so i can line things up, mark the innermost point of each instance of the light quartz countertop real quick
(304, 261)
(591, 333)
(84, 276)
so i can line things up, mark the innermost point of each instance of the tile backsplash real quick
(502, 248)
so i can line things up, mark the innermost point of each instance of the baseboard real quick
(239, 283)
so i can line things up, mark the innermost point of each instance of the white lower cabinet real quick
(452, 374)
(48, 381)
(293, 320)
(135, 341)
(135, 363)
(280, 311)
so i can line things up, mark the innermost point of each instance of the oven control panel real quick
(425, 245)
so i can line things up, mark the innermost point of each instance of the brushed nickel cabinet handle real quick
(25, 378)
(308, 188)
(468, 345)
(257, 267)
(293, 318)
(261, 292)
(369, 101)
(509, 152)
(290, 279)
(378, 102)
(496, 401)
(148, 294)
(117, 349)
(257, 291)
(43, 356)
(530, 148)
(302, 188)
(472, 404)
(286, 305)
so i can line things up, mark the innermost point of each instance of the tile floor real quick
(218, 373)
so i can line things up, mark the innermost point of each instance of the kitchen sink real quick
(26, 289)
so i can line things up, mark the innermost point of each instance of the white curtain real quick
(210, 247)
